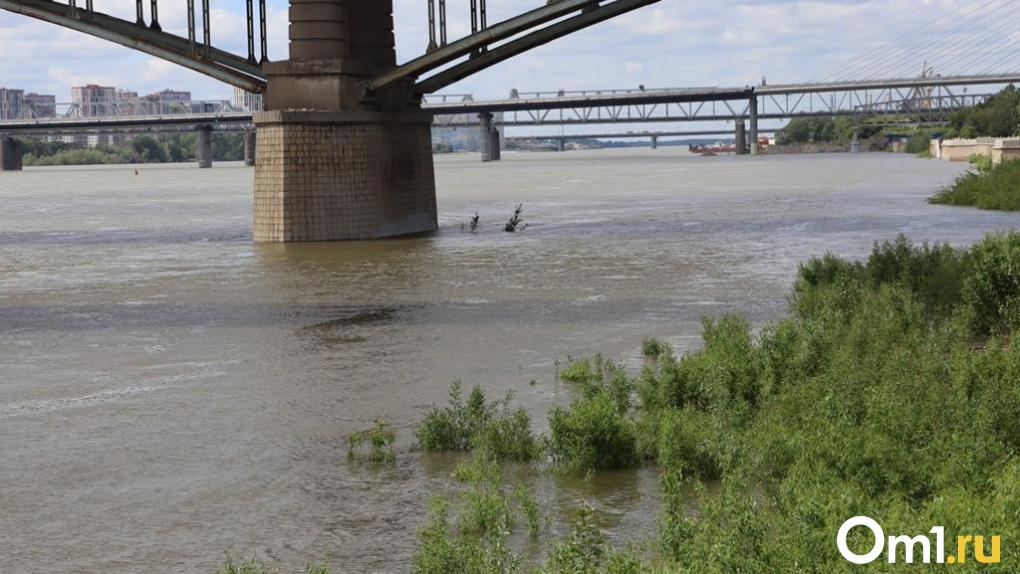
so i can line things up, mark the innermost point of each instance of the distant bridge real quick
(923, 100)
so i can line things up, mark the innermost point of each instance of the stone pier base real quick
(326, 176)
(11, 152)
(203, 147)
(249, 148)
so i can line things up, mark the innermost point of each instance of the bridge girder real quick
(593, 14)
(220, 64)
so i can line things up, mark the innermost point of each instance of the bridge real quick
(344, 148)
(652, 136)
(922, 100)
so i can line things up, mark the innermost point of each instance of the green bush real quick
(593, 434)
(654, 348)
(598, 376)
(379, 440)
(479, 424)
(995, 189)
(992, 288)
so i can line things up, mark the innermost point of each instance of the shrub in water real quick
(502, 431)
(380, 441)
(593, 434)
(654, 348)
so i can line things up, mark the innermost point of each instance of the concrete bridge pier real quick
(203, 146)
(495, 151)
(562, 143)
(741, 138)
(855, 143)
(334, 162)
(11, 152)
(752, 111)
(489, 142)
(249, 147)
(655, 142)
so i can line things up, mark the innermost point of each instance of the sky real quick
(675, 43)
(670, 44)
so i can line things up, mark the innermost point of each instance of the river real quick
(170, 390)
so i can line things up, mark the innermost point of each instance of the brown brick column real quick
(11, 152)
(331, 161)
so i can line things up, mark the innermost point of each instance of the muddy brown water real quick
(170, 390)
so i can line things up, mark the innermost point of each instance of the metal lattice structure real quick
(486, 45)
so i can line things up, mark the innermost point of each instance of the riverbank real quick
(989, 187)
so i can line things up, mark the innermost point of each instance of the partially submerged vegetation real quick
(379, 440)
(891, 392)
(502, 431)
(996, 188)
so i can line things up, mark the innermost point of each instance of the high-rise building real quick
(167, 102)
(41, 105)
(92, 100)
(247, 101)
(12, 103)
(126, 103)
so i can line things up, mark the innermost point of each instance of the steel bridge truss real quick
(447, 62)
(929, 104)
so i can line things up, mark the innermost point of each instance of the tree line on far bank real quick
(997, 117)
(174, 148)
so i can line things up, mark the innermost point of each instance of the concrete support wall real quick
(11, 153)
(740, 137)
(495, 149)
(203, 149)
(249, 147)
(752, 108)
(962, 149)
(325, 176)
(1005, 150)
(485, 144)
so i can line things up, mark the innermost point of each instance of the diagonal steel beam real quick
(221, 65)
(527, 42)
(505, 29)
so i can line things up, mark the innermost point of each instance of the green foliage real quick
(598, 376)
(593, 434)
(934, 274)
(234, 565)
(495, 427)
(981, 162)
(812, 129)
(654, 348)
(587, 551)
(140, 149)
(992, 288)
(380, 441)
(997, 188)
(530, 509)
(920, 141)
(440, 551)
(997, 117)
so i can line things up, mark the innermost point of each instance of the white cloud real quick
(672, 43)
